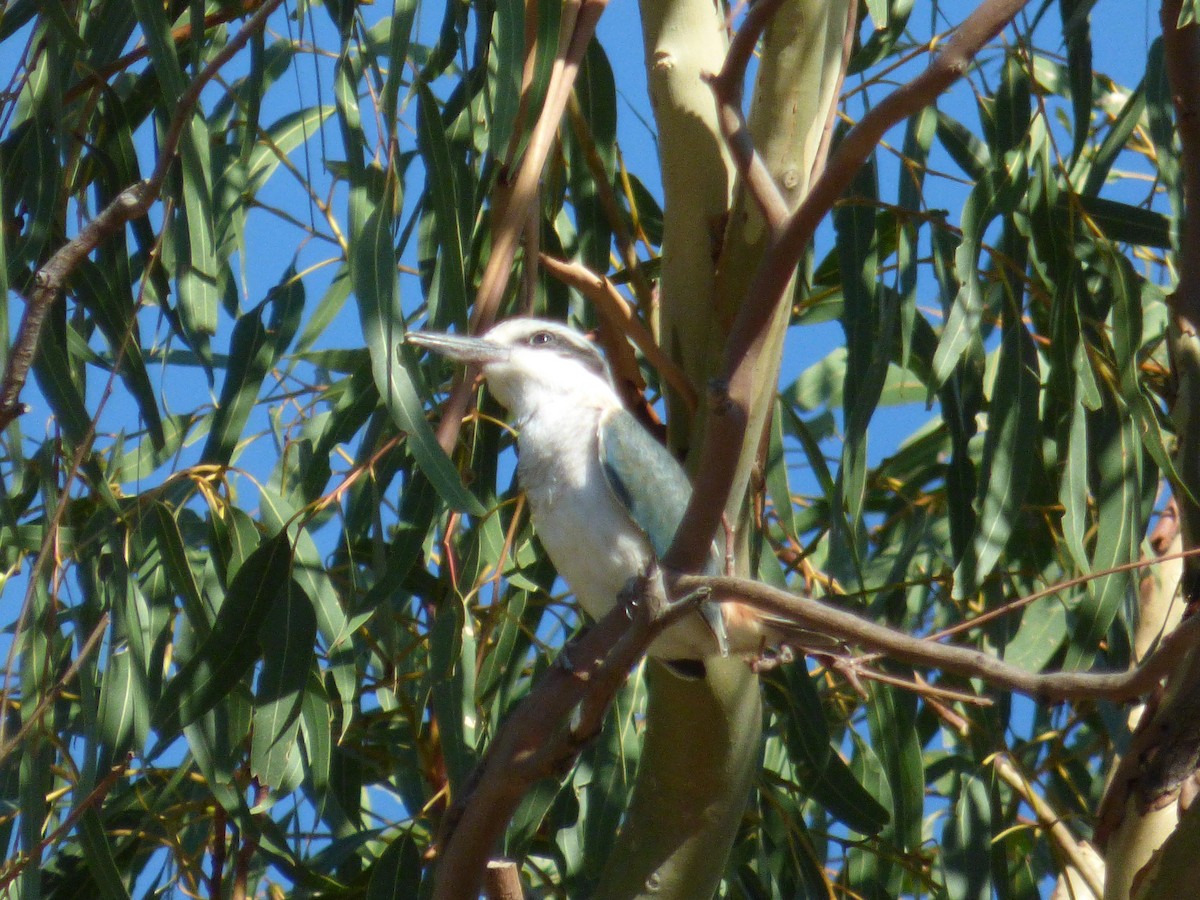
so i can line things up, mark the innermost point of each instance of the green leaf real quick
(1078, 35)
(967, 836)
(1040, 636)
(177, 567)
(232, 648)
(994, 194)
(1128, 224)
(255, 347)
(443, 180)
(287, 636)
(1009, 455)
(396, 875)
(452, 675)
(373, 274)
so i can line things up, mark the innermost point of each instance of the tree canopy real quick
(276, 619)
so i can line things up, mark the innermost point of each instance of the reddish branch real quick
(179, 35)
(1181, 54)
(730, 397)
(545, 734)
(898, 645)
(516, 199)
(133, 202)
(613, 307)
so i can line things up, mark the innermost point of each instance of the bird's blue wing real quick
(652, 486)
(645, 477)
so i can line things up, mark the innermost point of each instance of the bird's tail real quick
(753, 632)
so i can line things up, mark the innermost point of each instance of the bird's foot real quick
(691, 598)
(771, 658)
(566, 659)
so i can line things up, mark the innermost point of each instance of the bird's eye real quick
(539, 338)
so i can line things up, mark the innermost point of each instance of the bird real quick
(605, 497)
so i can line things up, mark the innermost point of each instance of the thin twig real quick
(610, 304)
(51, 695)
(730, 396)
(727, 87)
(899, 645)
(578, 24)
(1056, 588)
(50, 280)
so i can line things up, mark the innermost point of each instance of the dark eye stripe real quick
(574, 348)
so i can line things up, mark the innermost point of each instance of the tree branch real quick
(612, 306)
(728, 86)
(577, 27)
(533, 743)
(50, 280)
(730, 396)
(816, 616)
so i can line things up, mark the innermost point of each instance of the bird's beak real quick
(469, 350)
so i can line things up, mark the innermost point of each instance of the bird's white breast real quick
(594, 544)
(590, 537)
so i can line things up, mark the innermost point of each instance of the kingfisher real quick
(605, 497)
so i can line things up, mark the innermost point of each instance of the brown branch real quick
(50, 280)
(578, 25)
(610, 304)
(245, 854)
(727, 87)
(730, 397)
(1181, 56)
(901, 646)
(219, 848)
(50, 696)
(503, 881)
(179, 35)
(94, 798)
(534, 743)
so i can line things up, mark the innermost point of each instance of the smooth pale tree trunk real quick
(1152, 824)
(703, 739)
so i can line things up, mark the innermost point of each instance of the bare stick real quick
(503, 881)
(730, 397)
(578, 26)
(534, 742)
(728, 86)
(899, 645)
(609, 302)
(134, 201)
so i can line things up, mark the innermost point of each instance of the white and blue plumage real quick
(605, 496)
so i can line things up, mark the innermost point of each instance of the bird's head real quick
(528, 362)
